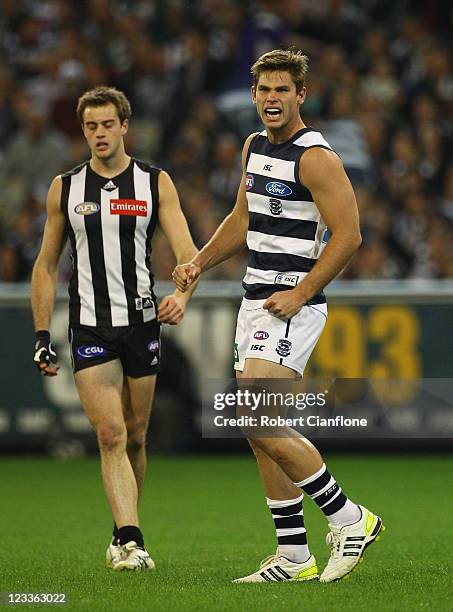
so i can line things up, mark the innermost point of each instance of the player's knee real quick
(267, 446)
(136, 438)
(111, 437)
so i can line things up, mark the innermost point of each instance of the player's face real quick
(277, 101)
(103, 130)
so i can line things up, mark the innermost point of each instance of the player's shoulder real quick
(252, 137)
(146, 166)
(309, 138)
(74, 170)
(248, 144)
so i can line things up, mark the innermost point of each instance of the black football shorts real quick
(137, 347)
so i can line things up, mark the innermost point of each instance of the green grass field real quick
(205, 523)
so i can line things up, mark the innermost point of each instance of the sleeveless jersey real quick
(110, 223)
(286, 230)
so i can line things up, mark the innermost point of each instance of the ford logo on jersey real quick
(86, 352)
(87, 208)
(279, 189)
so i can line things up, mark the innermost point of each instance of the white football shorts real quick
(261, 335)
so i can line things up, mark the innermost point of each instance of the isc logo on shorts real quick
(134, 208)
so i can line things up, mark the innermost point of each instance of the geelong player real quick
(109, 207)
(293, 187)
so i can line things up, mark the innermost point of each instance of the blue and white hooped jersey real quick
(286, 231)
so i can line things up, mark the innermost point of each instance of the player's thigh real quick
(263, 369)
(100, 389)
(137, 398)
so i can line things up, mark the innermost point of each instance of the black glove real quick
(44, 352)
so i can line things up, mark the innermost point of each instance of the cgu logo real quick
(261, 335)
(280, 189)
(87, 208)
(91, 351)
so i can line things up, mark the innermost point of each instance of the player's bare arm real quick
(174, 224)
(45, 272)
(322, 172)
(229, 238)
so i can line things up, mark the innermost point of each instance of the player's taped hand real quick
(45, 356)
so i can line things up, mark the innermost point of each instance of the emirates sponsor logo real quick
(134, 208)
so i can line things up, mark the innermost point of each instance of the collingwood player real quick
(293, 187)
(109, 207)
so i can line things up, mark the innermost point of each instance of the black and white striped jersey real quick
(110, 223)
(286, 230)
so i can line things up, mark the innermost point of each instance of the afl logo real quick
(278, 189)
(153, 346)
(249, 180)
(261, 335)
(87, 208)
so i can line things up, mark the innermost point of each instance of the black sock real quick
(130, 533)
(115, 533)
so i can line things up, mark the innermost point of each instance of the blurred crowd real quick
(380, 89)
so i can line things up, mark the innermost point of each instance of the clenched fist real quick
(185, 275)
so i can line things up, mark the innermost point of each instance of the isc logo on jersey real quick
(87, 208)
(132, 208)
(285, 279)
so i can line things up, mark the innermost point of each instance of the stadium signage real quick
(133, 208)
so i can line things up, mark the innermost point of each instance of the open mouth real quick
(101, 146)
(273, 113)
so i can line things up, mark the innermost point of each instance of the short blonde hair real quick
(282, 60)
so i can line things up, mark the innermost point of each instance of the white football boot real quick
(277, 568)
(348, 543)
(133, 558)
(112, 554)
